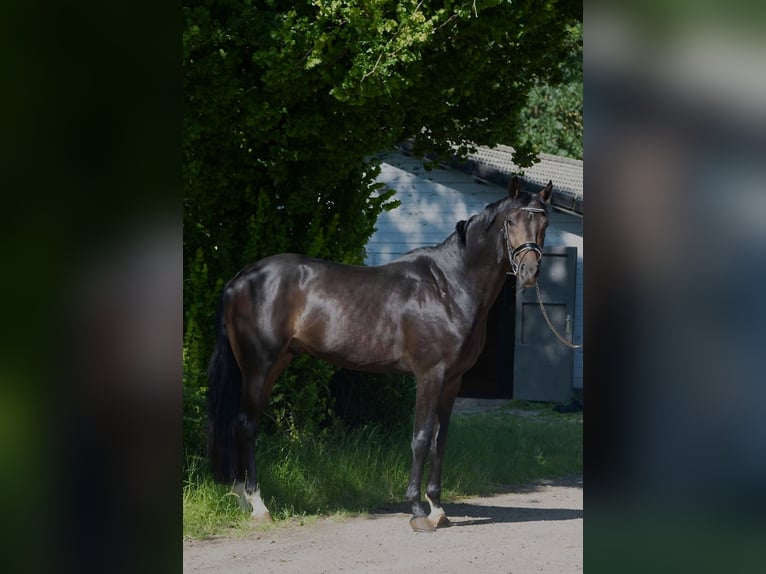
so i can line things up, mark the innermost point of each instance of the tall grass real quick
(357, 471)
(336, 472)
(491, 452)
(208, 508)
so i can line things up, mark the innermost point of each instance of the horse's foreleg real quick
(437, 516)
(425, 409)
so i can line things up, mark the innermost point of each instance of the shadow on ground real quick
(468, 513)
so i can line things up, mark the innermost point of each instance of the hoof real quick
(439, 521)
(437, 516)
(421, 524)
(260, 519)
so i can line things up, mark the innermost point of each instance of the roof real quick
(495, 165)
(432, 202)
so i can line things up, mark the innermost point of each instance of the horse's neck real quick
(480, 271)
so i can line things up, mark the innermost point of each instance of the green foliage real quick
(380, 400)
(553, 116)
(200, 304)
(208, 508)
(300, 404)
(284, 107)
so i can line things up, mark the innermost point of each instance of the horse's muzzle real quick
(527, 272)
(525, 263)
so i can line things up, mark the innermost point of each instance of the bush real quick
(364, 399)
(553, 115)
(285, 104)
(301, 403)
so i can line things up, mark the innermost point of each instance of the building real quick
(522, 358)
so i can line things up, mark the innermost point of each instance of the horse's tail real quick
(223, 395)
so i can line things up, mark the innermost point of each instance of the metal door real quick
(543, 366)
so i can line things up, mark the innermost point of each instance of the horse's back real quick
(350, 315)
(290, 270)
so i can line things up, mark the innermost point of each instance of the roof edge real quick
(565, 197)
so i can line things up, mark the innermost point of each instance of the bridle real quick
(518, 252)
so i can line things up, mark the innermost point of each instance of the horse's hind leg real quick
(256, 390)
(246, 485)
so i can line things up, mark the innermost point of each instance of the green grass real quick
(208, 508)
(492, 452)
(352, 472)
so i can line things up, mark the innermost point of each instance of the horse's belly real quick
(352, 344)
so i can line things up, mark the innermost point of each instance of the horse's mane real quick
(488, 215)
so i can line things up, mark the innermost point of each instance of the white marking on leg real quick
(252, 503)
(239, 491)
(260, 513)
(437, 517)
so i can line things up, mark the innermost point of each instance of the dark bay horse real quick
(423, 314)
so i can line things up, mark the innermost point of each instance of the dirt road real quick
(535, 529)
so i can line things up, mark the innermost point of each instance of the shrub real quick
(285, 105)
(369, 399)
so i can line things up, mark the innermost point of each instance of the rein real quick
(518, 253)
(550, 325)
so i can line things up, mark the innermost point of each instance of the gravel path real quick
(533, 529)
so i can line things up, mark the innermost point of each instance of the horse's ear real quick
(545, 193)
(513, 187)
(460, 228)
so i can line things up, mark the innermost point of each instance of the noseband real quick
(517, 253)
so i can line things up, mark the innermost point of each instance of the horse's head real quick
(524, 230)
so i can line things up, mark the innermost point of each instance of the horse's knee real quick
(412, 494)
(421, 442)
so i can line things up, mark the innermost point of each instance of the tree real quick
(285, 105)
(553, 116)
